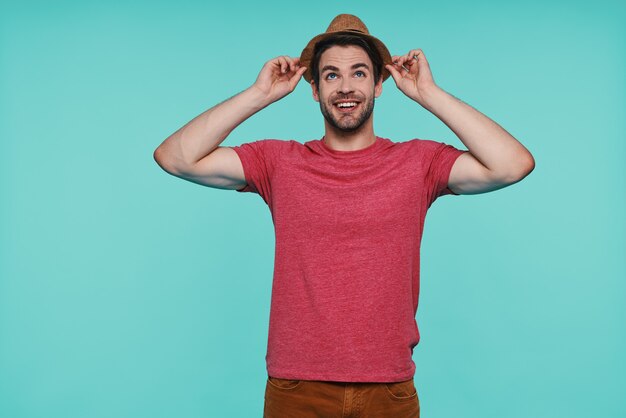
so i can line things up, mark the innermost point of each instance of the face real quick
(346, 88)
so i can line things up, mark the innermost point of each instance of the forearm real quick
(207, 131)
(488, 142)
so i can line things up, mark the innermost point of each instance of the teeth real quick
(348, 104)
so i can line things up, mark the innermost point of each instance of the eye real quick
(360, 72)
(329, 74)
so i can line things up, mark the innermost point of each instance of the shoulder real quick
(416, 147)
(267, 146)
(282, 144)
(425, 144)
(433, 148)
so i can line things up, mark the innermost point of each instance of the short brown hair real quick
(344, 39)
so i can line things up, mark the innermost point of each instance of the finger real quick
(293, 81)
(291, 63)
(293, 69)
(274, 63)
(394, 73)
(283, 64)
(397, 63)
(409, 62)
(297, 72)
(413, 59)
(287, 65)
(406, 61)
(410, 56)
(420, 59)
(416, 54)
(277, 64)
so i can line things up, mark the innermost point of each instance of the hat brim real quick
(307, 52)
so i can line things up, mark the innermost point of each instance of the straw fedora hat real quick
(347, 24)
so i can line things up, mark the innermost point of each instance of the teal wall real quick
(128, 293)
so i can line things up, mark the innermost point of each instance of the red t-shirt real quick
(348, 228)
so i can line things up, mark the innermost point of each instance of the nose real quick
(345, 86)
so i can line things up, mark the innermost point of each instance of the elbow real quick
(157, 155)
(521, 170)
(528, 162)
(528, 166)
(161, 160)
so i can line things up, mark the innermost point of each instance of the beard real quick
(348, 122)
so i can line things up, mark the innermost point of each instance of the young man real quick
(348, 211)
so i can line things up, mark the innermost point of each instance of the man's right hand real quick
(279, 77)
(194, 153)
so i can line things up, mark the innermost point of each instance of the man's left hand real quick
(412, 75)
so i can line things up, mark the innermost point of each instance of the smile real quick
(347, 107)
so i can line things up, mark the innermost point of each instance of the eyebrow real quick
(355, 66)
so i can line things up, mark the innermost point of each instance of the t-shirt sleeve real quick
(437, 160)
(258, 159)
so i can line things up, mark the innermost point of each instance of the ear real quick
(378, 88)
(316, 94)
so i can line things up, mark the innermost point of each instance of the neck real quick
(349, 141)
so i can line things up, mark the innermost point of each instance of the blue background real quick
(126, 292)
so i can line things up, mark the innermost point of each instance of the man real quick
(348, 211)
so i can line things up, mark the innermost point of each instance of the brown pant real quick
(285, 398)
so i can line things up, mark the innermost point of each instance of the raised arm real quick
(194, 153)
(495, 158)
